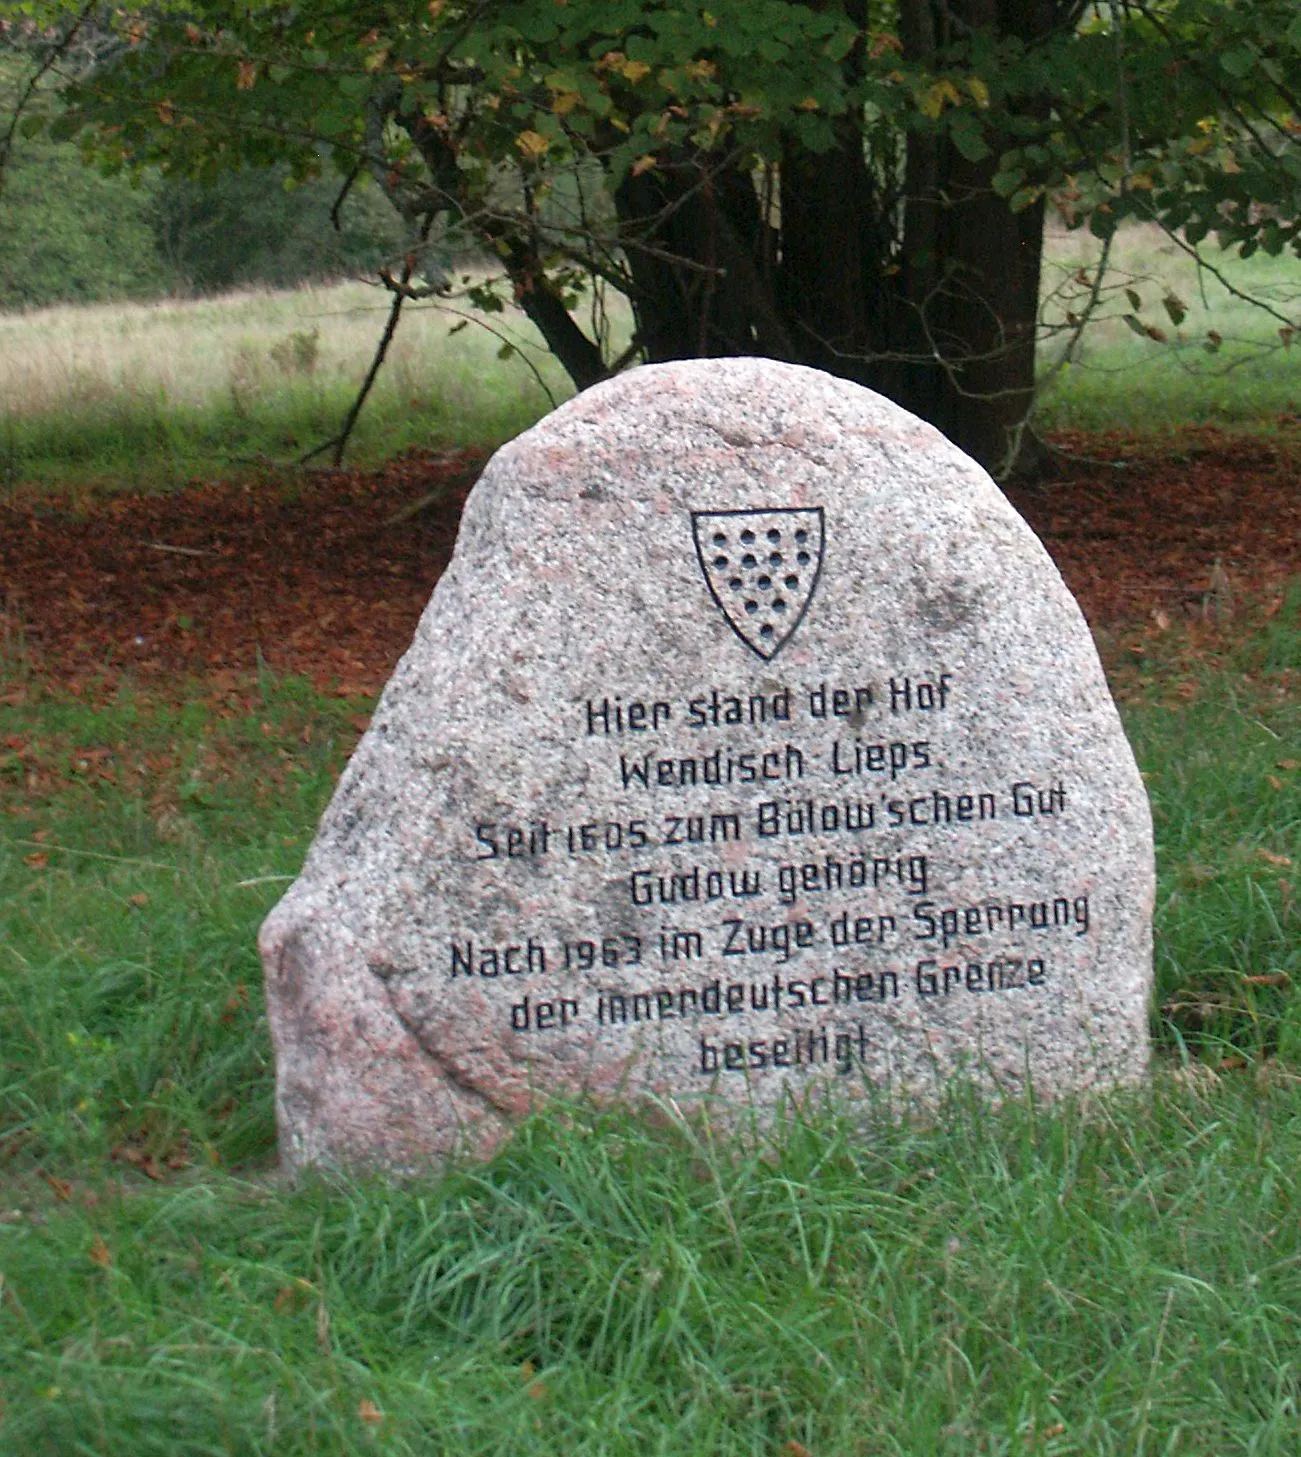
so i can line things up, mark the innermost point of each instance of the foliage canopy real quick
(855, 184)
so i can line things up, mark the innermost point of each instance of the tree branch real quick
(578, 355)
(400, 294)
(34, 81)
(342, 197)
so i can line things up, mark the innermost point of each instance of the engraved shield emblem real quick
(761, 568)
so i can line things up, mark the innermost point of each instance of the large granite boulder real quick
(751, 746)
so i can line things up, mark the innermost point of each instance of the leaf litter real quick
(325, 574)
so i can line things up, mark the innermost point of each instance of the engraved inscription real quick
(750, 746)
(790, 846)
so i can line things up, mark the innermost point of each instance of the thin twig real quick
(1118, 18)
(1203, 263)
(343, 193)
(47, 65)
(1090, 308)
(505, 339)
(95, 855)
(414, 508)
(1076, 455)
(339, 443)
(179, 550)
(386, 338)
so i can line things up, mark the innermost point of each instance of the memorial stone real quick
(750, 747)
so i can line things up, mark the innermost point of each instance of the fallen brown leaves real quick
(62, 1187)
(310, 574)
(1138, 528)
(149, 1164)
(302, 572)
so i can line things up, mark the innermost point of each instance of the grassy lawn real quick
(1124, 1277)
(1122, 1283)
(152, 395)
(157, 394)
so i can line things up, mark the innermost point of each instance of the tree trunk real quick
(834, 246)
(579, 356)
(831, 255)
(694, 242)
(970, 288)
(949, 333)
(980, 321)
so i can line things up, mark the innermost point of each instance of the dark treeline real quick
(68, 233)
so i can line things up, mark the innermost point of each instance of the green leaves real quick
(968, 136)
(1239, 61)
(517, 122)
(1009, 176)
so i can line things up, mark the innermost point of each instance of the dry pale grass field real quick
(191, 352)
(161, 392)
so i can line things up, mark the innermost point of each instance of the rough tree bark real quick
(694, 238)
(936, 307)
(971, 269)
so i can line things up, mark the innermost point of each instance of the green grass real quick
(1119, 1277)
(137, 395)
(155, 395)
(1221, 754)
(1124, 1283)
(143, 844)
(1118, 379)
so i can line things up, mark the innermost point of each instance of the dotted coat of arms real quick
(761, 568)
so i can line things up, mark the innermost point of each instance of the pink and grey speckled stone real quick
(606, 834)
